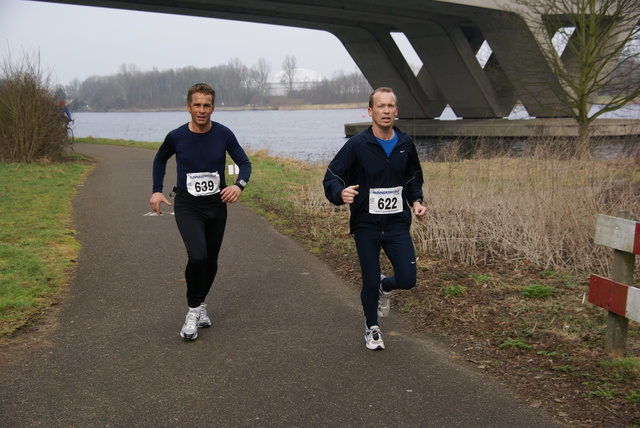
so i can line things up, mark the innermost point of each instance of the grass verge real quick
(37, 242)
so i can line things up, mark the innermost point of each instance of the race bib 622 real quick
(385, 200)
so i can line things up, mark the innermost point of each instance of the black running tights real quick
(201, 222)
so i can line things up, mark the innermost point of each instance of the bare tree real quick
(290, 68)
(234, 85)
(125, 84)
(260, 75)
(592, 46)
(73, 90)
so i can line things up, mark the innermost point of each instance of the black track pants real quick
(201, 222)
(398, 246)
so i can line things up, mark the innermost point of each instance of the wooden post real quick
(623, 267)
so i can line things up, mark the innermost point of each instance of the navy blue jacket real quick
(363, 161)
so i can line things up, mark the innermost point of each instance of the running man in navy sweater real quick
(378, 173)
(201, 195)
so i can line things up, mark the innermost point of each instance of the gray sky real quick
(81, 41)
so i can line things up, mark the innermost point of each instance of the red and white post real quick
(617, 294)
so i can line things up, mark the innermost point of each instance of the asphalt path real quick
(286, 347)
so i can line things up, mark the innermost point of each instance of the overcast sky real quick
(81, 41)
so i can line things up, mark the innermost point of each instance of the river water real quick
(308, 135)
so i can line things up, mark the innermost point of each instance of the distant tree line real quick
(234, 82)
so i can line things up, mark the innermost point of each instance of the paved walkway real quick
(285, 350)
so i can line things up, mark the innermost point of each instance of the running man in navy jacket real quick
(378, 173)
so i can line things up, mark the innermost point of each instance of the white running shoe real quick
(204, 320)
(190, 327)
(373, 338)
(384, 300)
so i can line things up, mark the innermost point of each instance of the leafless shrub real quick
(32, 127)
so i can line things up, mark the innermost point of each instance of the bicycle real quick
(69, 138)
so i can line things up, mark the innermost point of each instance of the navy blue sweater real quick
(363, 161)
(199, 152)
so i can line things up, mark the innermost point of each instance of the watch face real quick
(242, 183)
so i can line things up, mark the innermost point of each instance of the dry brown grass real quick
(539, 209)
(534, 210)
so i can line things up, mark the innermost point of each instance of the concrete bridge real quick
(445, 34)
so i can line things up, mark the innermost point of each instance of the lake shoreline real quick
(343, 106)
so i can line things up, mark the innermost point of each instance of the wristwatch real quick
(241, 184)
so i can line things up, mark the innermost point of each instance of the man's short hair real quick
(201, 88)
(382, 89)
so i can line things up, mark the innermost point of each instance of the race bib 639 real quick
(203, 183)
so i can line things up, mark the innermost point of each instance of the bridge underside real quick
(447, 36)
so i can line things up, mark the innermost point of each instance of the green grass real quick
(273, 182)
(454, 290)
(482, 278)
(538, 291)
(625, 369)
(119, 142)
(515, 343)
(37, 243)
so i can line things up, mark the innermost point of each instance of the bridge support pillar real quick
(382, 63)
(450, 60)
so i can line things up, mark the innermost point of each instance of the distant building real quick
(303, 79)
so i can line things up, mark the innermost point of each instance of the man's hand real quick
(230, 194)
(155, 201)
(419, 210)
(349, 193)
